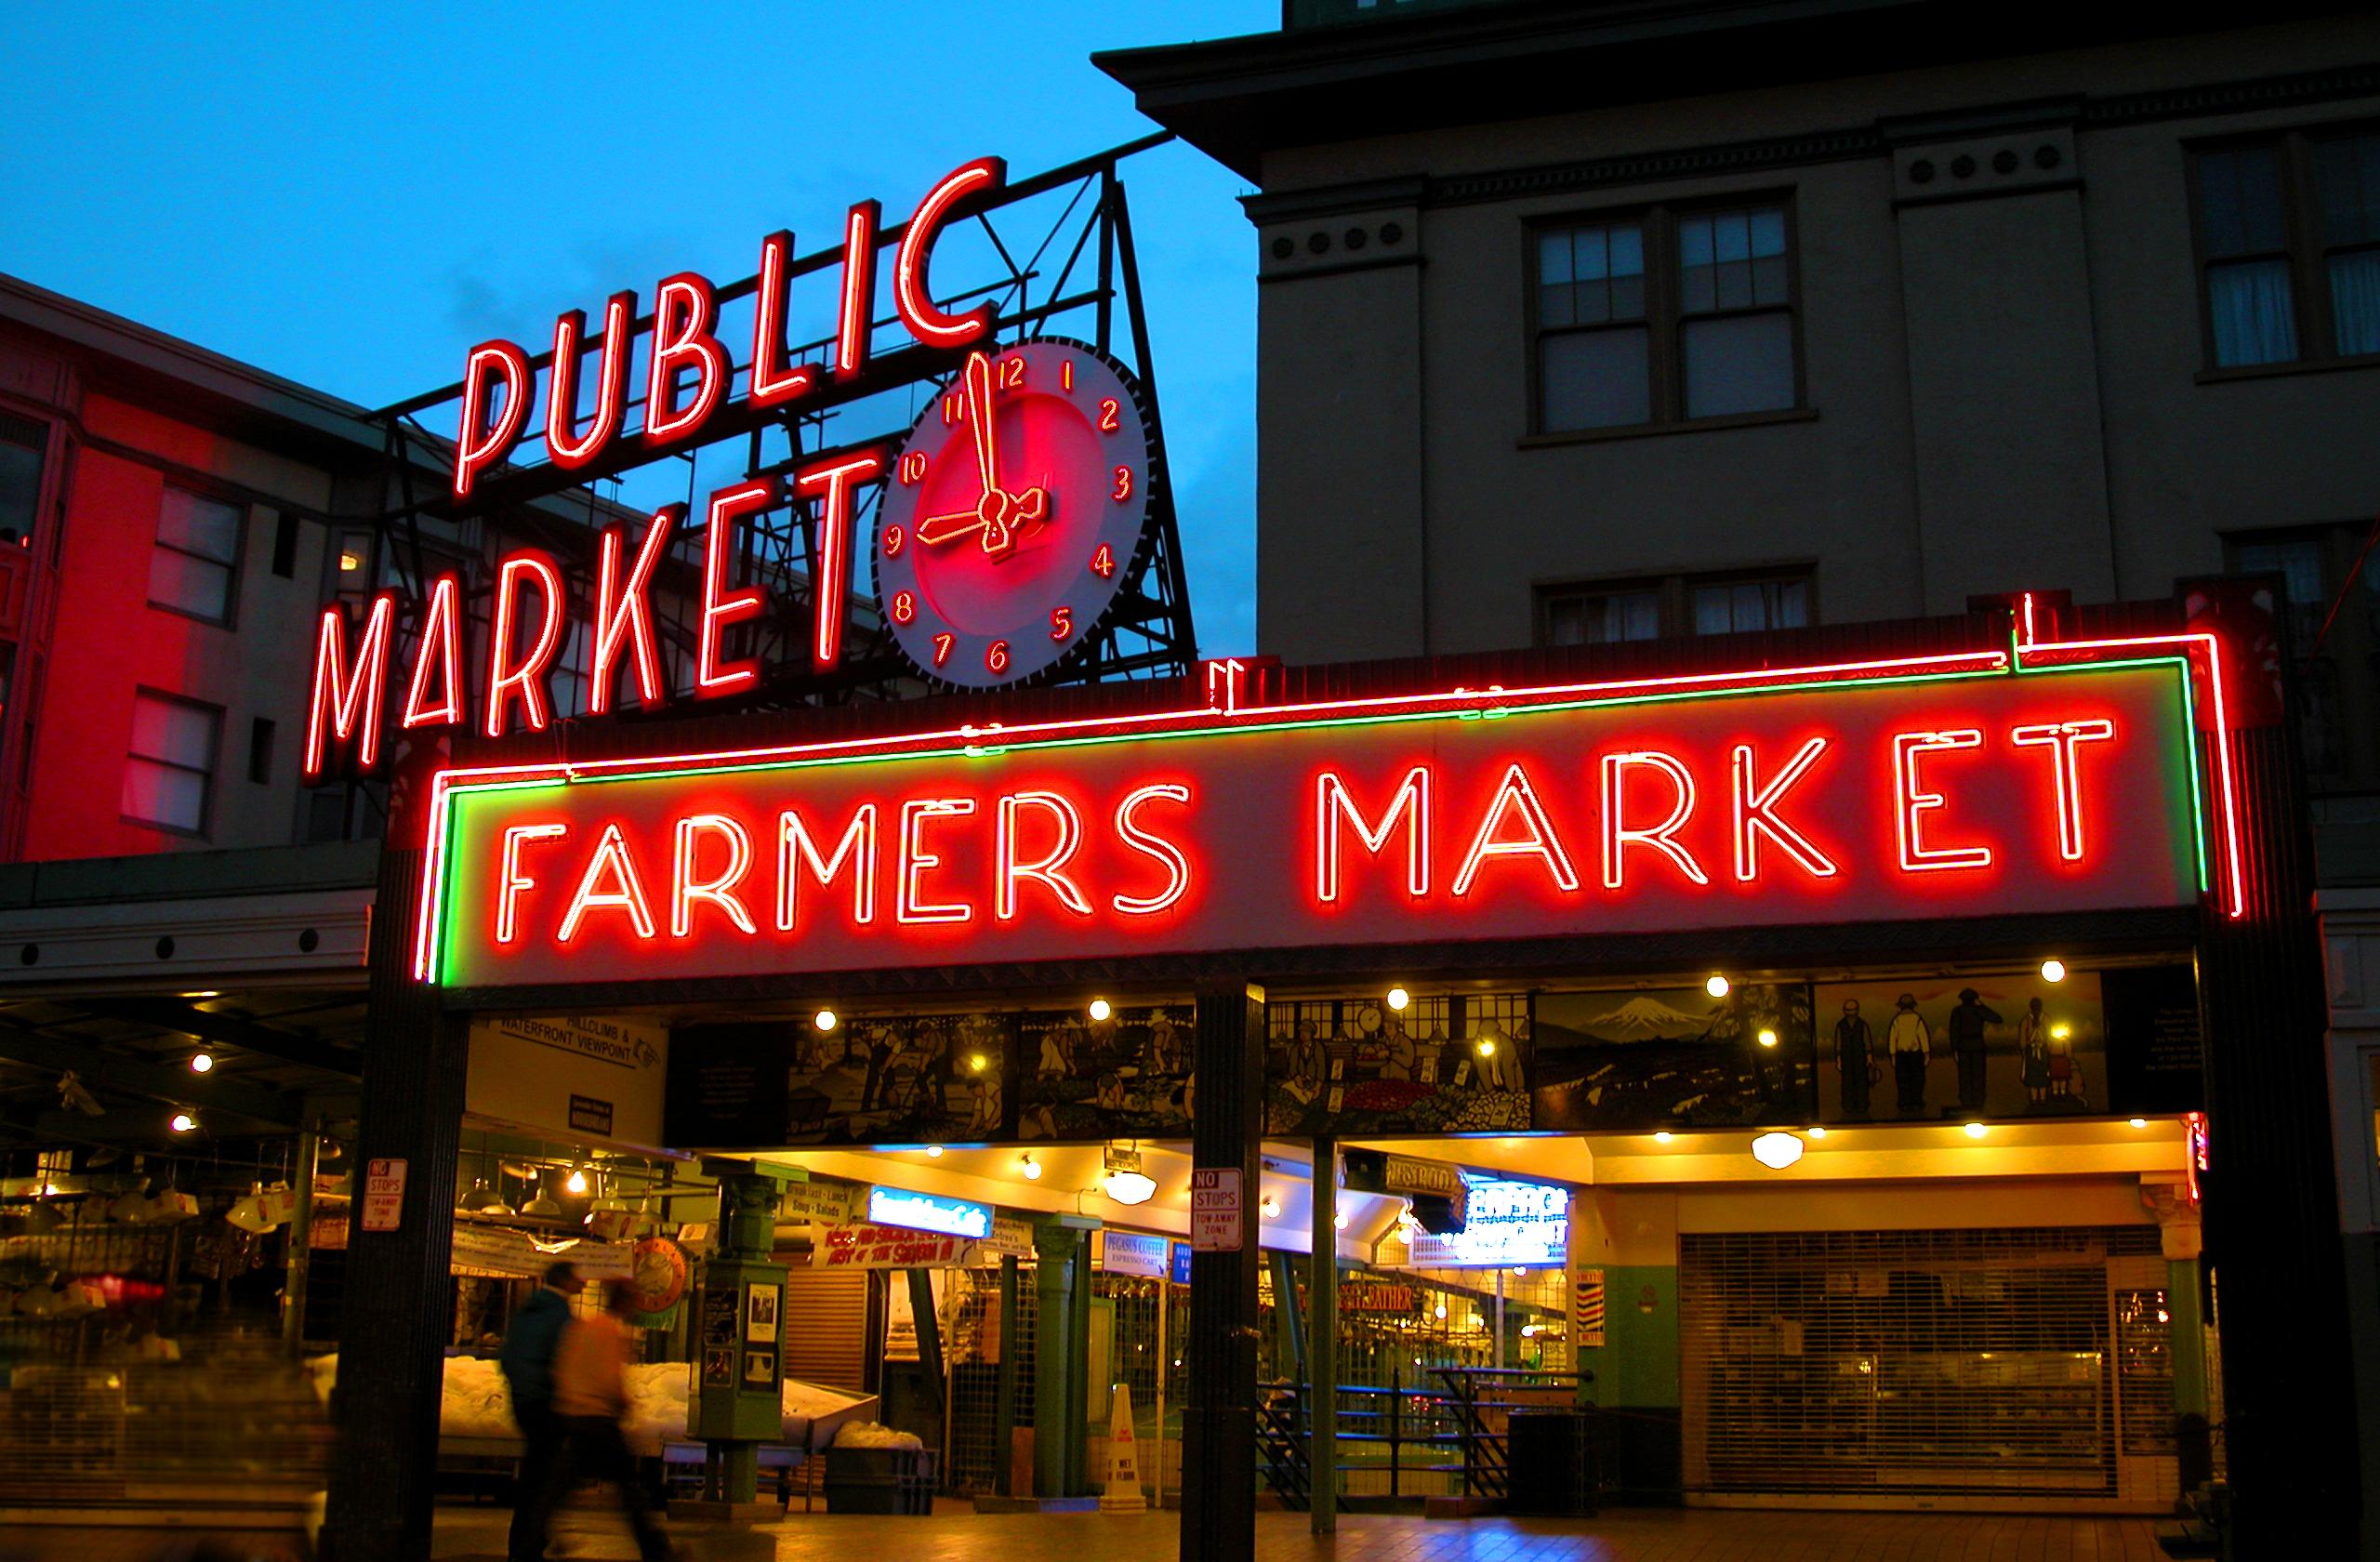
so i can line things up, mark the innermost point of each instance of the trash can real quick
(1550, 1462)
(879, 1480)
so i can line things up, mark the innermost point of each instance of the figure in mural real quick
(1968, 1024)
(1854, 1056)
(879, 1053)
(984, 1106)
(2065, 1073)
(2032, 1042)
(1500, 1061)
(1396, 1047)
(1910, 1044)
(1163, 1054)
(1309, 1059)
(1057, 1060)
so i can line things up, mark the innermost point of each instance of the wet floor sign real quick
(1123, 1493)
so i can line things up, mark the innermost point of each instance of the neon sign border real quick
(2025, 656)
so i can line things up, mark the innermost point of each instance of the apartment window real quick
(192, 567)
(2289, 244)
(2338, 673)
(22, 443)
(1665, 316)
(1679, 604)
(170, 768)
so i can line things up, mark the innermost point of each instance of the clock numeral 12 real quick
(1061, 622)
(996, 656)
(1011, 373)
(942, 644)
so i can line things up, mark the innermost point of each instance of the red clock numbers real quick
(1123, 489)
(954, 410)
(1103, 564)
(904, 606)
(913, 469)
(942, 644)
(1061, 622)
(1013, 374)
(1066, 375)
(995, 657)
(894, 540)
(1110, 415)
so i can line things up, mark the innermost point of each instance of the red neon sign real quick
(1576, 812)
(688, 368)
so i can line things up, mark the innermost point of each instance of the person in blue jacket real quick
(527, 1363)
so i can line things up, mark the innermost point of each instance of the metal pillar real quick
(301, 1236)
(1004, 1394)
(1055, 1365)
(1322, 1338)
(399, 1310)
(1219, 1422)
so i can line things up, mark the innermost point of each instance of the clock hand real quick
(979, 417)
(944, 528)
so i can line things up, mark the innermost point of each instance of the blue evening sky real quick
(352, 196)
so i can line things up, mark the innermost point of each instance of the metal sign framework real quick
(1058, 271)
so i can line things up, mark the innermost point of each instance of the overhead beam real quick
(102, 1072)
(227, 1030)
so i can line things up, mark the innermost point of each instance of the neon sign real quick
(1837, 793)
(928, 1212)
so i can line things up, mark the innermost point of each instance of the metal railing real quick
(1458, 1427)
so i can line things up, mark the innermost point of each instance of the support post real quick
(1322, 1338)
(1004, 1391)
(400, 1304)
(1219, 1423)
(301, 1236)
(1054, 1364)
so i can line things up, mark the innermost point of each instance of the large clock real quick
(1015, 514)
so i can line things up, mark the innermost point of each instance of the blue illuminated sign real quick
(1522, 1223)
(927, 1211)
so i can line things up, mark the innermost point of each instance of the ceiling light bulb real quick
(1032, 1170)
(202, 1063)
(576, 1181)
(1340, 1220)
(1487, 1047)
(1661, 1136)
(1769, 1039)
(1272, 1207)
(1776, 1151)
(183, 1123)
(1101, 1008)
(934, 1152)
(1130, 1187)
(2053, 970)
(1398, 998)
(2140, 1122)
(1717, 986)
(824, 1019)
(1817, 1132)
(977, 1062)
(1976, 1131)
(1441, 1309)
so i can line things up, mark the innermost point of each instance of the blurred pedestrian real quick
(591, 1396)
(527, 1363)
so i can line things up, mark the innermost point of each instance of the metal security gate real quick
(1922, 1364)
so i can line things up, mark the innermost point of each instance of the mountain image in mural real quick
(1674, 1058)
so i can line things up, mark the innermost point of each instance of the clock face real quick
(1014, 514)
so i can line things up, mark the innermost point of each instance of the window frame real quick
(215, 714)
(2347, 658)
(1665, 317)
(1675, 590)
(2311, 307)
(231, 619)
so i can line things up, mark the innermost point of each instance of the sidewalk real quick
(956, 1534)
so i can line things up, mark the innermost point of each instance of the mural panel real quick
(1672, 1057)
(1926, 1048)
(1127, 1077)
(1356, 1067)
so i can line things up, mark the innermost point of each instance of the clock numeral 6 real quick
(996, 656)
(1061, 622)
(913, 469)
(942, 644)
(1123, 489)
(1103, 564)
(904, 606)
(894, 540)
(1011, 373)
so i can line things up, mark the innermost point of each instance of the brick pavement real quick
(956, 1534)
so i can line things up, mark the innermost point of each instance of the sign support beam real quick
(1219, 1422)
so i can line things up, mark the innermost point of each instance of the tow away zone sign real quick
(1216, 1209)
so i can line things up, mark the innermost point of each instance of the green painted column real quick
(2188, 1328)
(1056, 1368)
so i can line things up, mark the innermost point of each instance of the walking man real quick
(1967, 1023)
(527, 1363)
(592, 1395)
(1910, 1044)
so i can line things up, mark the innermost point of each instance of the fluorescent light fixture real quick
(1776, 1151)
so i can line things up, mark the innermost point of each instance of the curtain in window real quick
(2354, 300)
(2255, 317)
